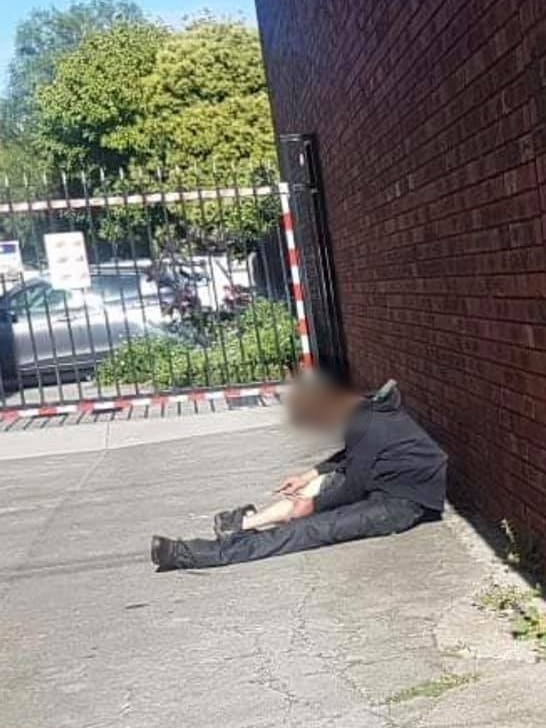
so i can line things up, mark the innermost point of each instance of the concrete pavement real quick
(91, 637)
(111, 433)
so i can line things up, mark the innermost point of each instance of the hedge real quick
(256, 346)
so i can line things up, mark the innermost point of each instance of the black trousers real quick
(377, 515)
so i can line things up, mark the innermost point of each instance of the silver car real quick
(47, 330)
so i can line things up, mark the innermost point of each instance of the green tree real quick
(207, 99)
(139, 95)
(142, 98)
(97, 96)
(43, 37)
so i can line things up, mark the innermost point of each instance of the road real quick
(92, 637)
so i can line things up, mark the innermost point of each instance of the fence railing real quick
(138, 285)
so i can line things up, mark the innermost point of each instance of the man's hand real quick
(294, 483)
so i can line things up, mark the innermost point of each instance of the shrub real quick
(256, 346)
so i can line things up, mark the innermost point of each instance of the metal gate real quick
(301, 167)
(145, 286)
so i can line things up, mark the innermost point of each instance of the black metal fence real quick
(142, 284)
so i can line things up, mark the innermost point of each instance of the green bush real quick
(256, 346)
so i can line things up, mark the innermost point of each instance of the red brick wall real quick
(431, 117)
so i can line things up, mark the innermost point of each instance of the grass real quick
(522, 550)
(527, 621)
(432, 688)
(530, 625)
(503, 598)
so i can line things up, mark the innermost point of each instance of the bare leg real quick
(278, 512)
(281, 511)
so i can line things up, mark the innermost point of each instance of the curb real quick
(229, 396)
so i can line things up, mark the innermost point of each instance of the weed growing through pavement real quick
(432, 688)
(503, 598)
(527, 621)
(531, 625)
(522, 551)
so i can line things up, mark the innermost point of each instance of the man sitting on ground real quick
(389, 477)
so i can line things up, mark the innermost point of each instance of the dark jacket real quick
(385, 450)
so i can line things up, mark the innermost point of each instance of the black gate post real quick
(300, 167)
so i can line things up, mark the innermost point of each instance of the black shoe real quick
(228, 523)
(168, 554)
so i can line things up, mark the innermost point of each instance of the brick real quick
(431, 121)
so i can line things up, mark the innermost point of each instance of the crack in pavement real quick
(300, 640)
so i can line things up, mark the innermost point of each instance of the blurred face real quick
(316, 404)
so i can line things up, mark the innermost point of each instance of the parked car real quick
(43, 329)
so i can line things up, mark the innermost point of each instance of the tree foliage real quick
(97, 96)
(207, 97)
(44, 36)
(142, 95)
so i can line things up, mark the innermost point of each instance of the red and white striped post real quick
(306, 361)
(94, 407)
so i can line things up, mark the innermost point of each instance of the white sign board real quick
(67, 260)
(11, 263)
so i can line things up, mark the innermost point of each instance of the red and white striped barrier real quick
(295, 271)
(263, 391)
(144, 199)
